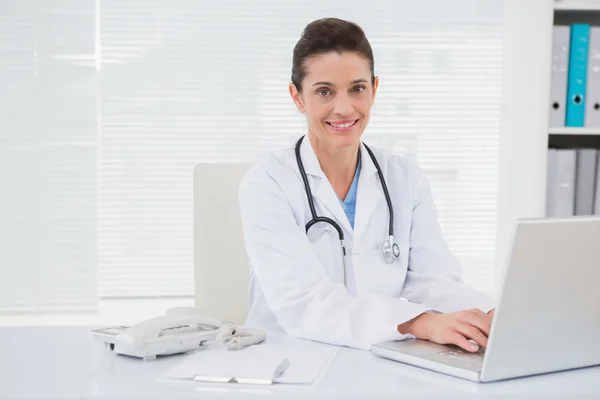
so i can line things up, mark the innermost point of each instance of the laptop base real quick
(431, 356)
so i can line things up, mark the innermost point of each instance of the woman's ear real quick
(296, 97)
(375, 87)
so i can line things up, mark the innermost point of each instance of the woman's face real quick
(337, 96)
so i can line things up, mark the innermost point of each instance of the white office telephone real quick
(181, 330)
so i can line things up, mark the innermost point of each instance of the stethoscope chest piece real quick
(391, 251)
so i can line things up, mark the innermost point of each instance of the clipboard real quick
(246, 379)
(264, 364)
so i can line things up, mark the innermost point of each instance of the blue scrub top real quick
(349, 204)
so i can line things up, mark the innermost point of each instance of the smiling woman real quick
(339, 93)
(392, 244)
(337, 101)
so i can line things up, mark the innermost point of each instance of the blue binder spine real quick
(576, 93)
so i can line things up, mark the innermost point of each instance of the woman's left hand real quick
(491, 313)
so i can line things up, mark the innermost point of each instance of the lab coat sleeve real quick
(306, 303)
(434, 275)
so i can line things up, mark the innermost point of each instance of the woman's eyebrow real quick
(354, 82)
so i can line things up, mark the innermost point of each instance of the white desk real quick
(68, 363)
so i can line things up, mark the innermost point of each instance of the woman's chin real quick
(334, 138)
(346, 140)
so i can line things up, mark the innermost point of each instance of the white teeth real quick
(348, 125)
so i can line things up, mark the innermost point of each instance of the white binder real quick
(592, 106)
(560, 69)
(597, 196)
(550, 179)
(586, 181)
(562, 196)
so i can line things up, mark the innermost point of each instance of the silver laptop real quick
(548, 315)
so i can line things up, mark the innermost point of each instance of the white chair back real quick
(220, 262)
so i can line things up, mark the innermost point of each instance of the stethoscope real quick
(391, 251)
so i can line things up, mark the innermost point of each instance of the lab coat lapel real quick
(369, 193)
(321, 187)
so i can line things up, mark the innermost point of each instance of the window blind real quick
(48, 156)
(195, 81)
(169, 84)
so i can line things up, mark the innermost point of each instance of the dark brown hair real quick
(326, 35)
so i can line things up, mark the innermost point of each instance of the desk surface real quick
(68, 363)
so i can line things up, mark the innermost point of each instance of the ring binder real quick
(576, 89)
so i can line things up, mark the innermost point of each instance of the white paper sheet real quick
(306, 363)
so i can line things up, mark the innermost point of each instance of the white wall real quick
(524, 125)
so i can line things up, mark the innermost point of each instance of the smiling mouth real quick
(346, 125)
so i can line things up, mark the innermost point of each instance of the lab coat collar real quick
(368, 191)
(312, 166)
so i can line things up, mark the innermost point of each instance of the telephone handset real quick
(182, 329)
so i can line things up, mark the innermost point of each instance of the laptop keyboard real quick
(450, 355)
(473, 359)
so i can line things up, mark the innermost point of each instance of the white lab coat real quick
(297, 280)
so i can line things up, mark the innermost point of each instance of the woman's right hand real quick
(456, 328)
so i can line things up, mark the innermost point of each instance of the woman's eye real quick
(324, 92)
(358, 89)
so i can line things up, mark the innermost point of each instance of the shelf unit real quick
(576, 5)
(526, 131)
(568, 137)
(567, 12)
(564, 130)
(568, 7)
(572, 172)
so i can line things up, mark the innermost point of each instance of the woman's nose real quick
(343, 105)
